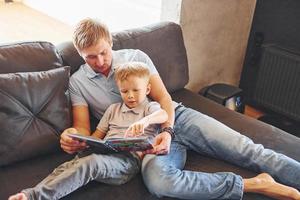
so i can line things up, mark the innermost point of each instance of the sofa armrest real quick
(260, 132)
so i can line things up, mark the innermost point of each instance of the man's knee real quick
(158, 179)
(157, 184)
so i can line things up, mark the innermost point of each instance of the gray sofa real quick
(35, 108)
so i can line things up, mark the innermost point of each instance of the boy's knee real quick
(89, 162)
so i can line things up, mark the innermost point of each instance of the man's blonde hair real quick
(88, 32)
(136, 69)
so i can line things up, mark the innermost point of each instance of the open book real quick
(115, 144)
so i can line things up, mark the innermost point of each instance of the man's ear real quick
(148, 88)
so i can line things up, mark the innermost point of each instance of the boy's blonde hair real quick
(137, 69)
(88, 32)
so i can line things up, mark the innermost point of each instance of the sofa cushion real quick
(35, 109)
(28, 57)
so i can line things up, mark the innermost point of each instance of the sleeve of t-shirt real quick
(103, 125)
(143, 57)
(75, 94)
(152, 107)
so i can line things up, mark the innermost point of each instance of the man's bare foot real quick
(266, 185)
(18, 196)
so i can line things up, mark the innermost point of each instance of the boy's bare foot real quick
(18, 196)
(266, 185)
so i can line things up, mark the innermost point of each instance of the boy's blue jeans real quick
(164, 175)
(113, 169)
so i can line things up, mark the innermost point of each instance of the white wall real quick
(216, 35)
(171, 10)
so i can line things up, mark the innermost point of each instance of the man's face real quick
(99, 57)
(133, 90)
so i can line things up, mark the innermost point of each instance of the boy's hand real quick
(137, 128)
(161, 145)
(70, 145)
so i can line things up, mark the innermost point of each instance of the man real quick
(93, 87)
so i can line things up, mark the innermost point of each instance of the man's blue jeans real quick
(113, 169)
(164, 174)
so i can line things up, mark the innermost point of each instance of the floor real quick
(19, 23)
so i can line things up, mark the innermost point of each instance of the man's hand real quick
(70, 145)
(161, 145)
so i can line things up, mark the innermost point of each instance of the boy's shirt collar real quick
(136, 110)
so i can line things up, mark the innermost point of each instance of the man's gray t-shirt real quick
(97, 91)
(118, 117)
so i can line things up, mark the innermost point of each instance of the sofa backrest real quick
(163, 42)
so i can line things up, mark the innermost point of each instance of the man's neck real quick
(106, 73)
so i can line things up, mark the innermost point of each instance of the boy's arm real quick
(103, 125)
(157, 117)
(99, 134)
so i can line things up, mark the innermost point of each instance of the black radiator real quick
(278, 82)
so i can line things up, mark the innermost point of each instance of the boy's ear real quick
(148, 88)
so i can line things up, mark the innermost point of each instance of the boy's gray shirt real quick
(118, 117)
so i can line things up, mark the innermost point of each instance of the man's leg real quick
(111, 169)
(163, 176)
(204, 134)
(266, 185)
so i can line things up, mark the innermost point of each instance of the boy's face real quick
(99, 56)
(133, 90)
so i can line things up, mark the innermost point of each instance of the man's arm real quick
(81, 125)
(160, 94)
(81, 119)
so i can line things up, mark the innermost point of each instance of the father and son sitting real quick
(114, 85)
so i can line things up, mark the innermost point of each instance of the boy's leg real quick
(111, 169)
(163, 176)
(206, 135)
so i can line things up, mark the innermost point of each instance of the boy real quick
(134, 116)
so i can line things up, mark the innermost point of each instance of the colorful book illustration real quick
(115, 144)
